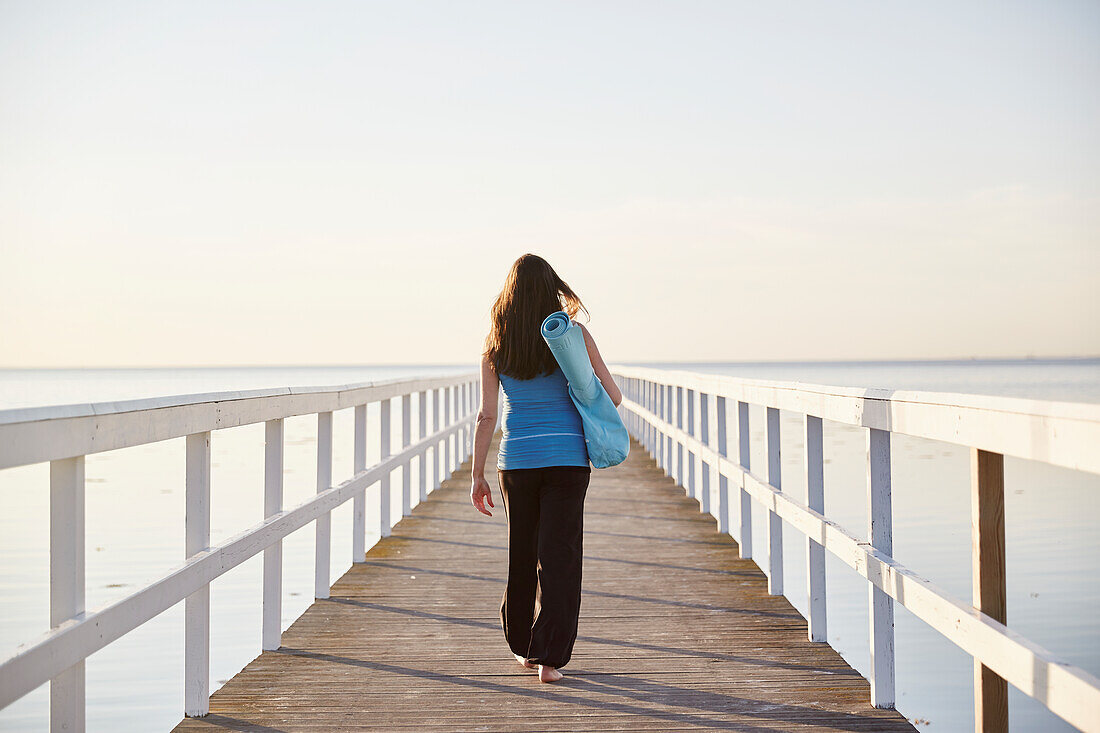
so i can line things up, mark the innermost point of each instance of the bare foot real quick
(549, 674)
(524, 662)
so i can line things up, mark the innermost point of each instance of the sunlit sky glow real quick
(349, 182)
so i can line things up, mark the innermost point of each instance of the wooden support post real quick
(323, 555)
(987, 511)
(723, 480)
(422, 461)
(196, 621)
(67, 565)
(384, 484)
(406, 440)
(775, 523)
(815, 554)
(271, 628)
(359, 501)
(744, 541)
(881, 536)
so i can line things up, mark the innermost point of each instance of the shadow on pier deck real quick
(676, 633)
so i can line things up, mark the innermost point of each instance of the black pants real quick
(542, 603)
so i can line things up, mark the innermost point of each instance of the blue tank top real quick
(540, 425)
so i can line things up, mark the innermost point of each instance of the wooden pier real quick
(680, 628)
(676, 633)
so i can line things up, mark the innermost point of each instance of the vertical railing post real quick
(880, 535)
(654, 407)
(658, 434)
(471, 406)
(459, 445)
(626, 385)
(679, 444)
(67, 569)
(467, 392)
(815, 553)
(704, 438)
(359, 501)
(670, 461)
(462, 396)
(196, 623)
(667, 424)
(323, 555)
(436, 444)
(653, 448)
(422, 459)
(271, 628)
(471, 415)
(775, 523)
(987, 513)
(406, 468)
(744, 541)
(384, 482)
(448, 466)
(723, 480)
(689, 484)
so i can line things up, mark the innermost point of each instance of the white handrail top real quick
(52, 412)
(37, 434)
(1041, 408)
(1059, 433)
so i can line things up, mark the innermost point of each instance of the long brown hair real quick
(531, 292)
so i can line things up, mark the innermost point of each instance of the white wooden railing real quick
(673, 412)
(65, 435)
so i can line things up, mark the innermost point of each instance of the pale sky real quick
(349, 182)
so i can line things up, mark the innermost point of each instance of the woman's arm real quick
(483, 435)
(600, 368)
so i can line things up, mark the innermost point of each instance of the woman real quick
(542, 464)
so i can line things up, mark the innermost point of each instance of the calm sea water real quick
(135, 531)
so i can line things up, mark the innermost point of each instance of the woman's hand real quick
(480, 493)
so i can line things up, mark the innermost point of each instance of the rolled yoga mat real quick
(604, 433)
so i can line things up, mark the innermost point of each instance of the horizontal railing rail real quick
(671, 412)
(65, 435)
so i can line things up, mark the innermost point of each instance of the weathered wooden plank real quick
(676, 633)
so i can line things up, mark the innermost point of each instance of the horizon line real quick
(625, 362)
